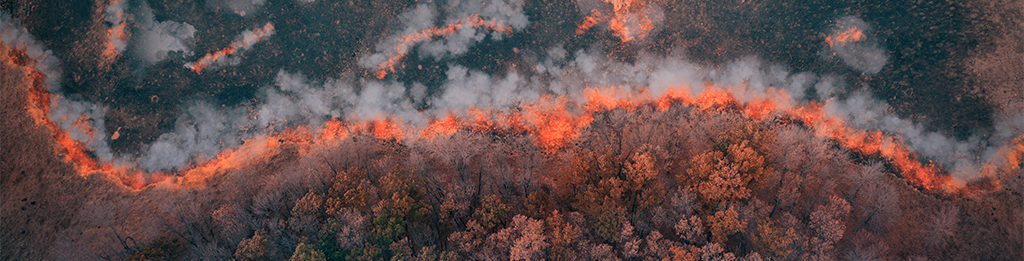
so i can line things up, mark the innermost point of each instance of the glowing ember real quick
(248, 39)
(850, 35)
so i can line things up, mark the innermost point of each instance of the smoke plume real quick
(572, 79)
(158, 38)
(851, 41)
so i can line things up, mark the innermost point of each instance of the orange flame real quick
(549, 120)
(850, 35)
(258, 34)
(592, 20)
(444, 127)
(427, 34)
(1015, 153)
(39, 102)
(628, 21)
(117, 36)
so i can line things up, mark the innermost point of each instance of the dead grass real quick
(40, 192)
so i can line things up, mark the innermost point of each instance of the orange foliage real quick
(427, 34)
(259, 35)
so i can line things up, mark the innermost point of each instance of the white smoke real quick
(639, 18)
(508, 13)
(15, 36)
(861, 53)
(115, 16)
(82, 120)
(963, 158)
(465, 88)
(158, 38)
(242, 42)
(294, 99)
(199, 133)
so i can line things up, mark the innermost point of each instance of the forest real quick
(683, 184)
(511, 130)
(645, 183)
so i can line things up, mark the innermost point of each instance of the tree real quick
(724, 223)
(163, 248)
(537, 204)
(402, 202)
(684, 253)
(350, 189)
(728, 175)
(942, 227)
(492, 211)
(469, 240)
(609, 186)
(771, 240)
(305, 214)
(532, 243)
(691, 230)
(307, 252)
(828, 226)
(254, 248)
(563, 235)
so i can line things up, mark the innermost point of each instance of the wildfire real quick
(444, 127)
(1015, 153)
(117, 36)
(412, 39)
(249, 38)
(849, 35)
(552, 122)
(39, 102)
(630, 20)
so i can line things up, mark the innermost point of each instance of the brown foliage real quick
(736, 166)
(772, 240)
(306, 213)
(254, 248)
(350, 189)
(724, 223)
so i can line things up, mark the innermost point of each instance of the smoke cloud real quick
(199, 134)
(294, 99)
(231, 55)
(850, 40)
(475, 19)
(117, 36)
(964, 159)
(158, 38)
